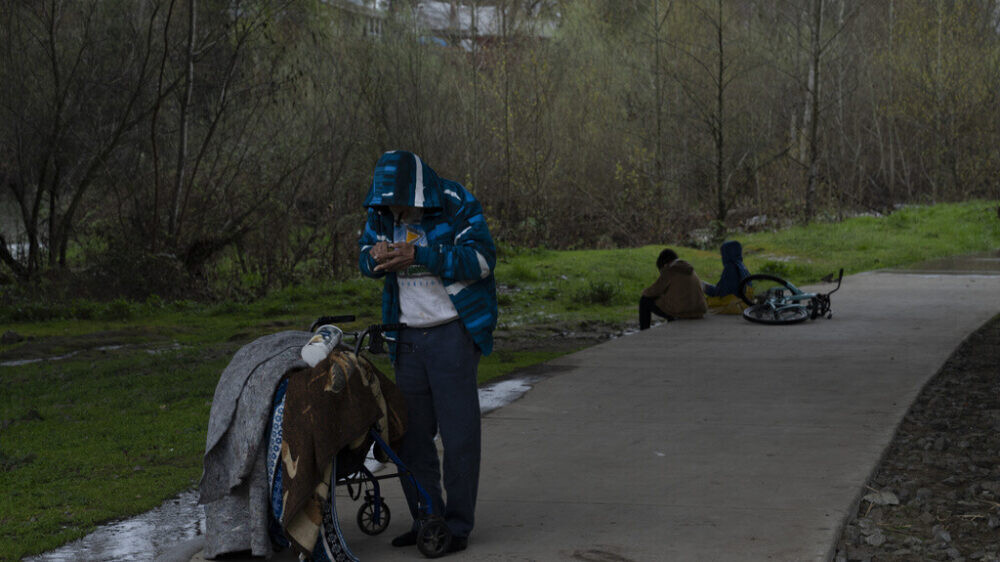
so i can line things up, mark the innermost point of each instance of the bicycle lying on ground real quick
(773, 300)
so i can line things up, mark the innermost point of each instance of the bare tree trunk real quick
(154, 228)
(720, 133)
(658, 91)
(891, 124)
(507, 159)
(939, 108)
(474, 147)
(175, 207)
(53, 211)
(812, 108)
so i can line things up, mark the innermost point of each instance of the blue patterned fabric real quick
(274, 468)
(459, 247)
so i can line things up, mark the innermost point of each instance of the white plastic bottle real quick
(324, 340)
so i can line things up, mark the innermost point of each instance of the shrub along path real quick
(715, 439)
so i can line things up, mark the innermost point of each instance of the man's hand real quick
(379, 252)
(397, 257)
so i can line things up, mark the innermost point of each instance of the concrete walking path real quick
(707, 440)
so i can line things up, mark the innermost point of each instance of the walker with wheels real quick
(433, 534)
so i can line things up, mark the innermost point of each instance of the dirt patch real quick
(936, 494)
(558, 337)
(57, 346)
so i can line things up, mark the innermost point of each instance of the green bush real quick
(521, 272)
(118, 309)
(82, 309)
(155, 302)
(31, 312)
(597, 292)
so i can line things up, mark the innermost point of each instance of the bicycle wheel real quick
(757, 288)
(764, 313)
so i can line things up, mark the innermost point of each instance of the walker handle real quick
(331, 320)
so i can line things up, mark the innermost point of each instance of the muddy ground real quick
(559, 337)
(936, 493)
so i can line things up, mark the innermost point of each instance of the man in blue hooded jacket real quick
(427, 237)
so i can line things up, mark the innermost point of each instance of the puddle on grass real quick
(19, 362)
(181, 519)
(986, 263)
(142, 537)
(104, 349)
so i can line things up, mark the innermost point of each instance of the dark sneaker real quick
(408, 538)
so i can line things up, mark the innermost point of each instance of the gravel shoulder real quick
(936, 493)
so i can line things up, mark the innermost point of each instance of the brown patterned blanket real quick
(328, 411)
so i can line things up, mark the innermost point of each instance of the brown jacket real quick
(678, 291)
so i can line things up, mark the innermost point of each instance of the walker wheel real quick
(433, 538)
(366, 517)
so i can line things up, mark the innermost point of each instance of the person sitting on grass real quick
(722, 297)
(675, 294)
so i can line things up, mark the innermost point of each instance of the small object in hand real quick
(398, 257)
(324, 340)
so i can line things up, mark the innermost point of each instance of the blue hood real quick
(402, 178)
(733, 270)
(732, 252)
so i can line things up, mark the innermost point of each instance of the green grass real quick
(100, 438)
(548, 287)
(107, 434)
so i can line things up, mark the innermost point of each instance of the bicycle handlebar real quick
(840, 278)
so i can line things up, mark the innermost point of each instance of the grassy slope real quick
(106, 434)
(546, 286)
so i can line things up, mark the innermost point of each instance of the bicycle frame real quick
(786, 303)
(780, 303)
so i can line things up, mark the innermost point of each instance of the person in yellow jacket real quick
(677, 293)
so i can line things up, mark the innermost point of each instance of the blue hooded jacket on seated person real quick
(459, 247)
(733, 271)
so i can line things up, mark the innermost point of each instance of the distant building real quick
(367, 16)
(452, 23)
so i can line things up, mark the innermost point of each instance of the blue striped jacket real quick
(459, 247)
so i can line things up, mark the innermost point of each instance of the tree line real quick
(155, 146)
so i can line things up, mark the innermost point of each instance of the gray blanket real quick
(234, 487)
